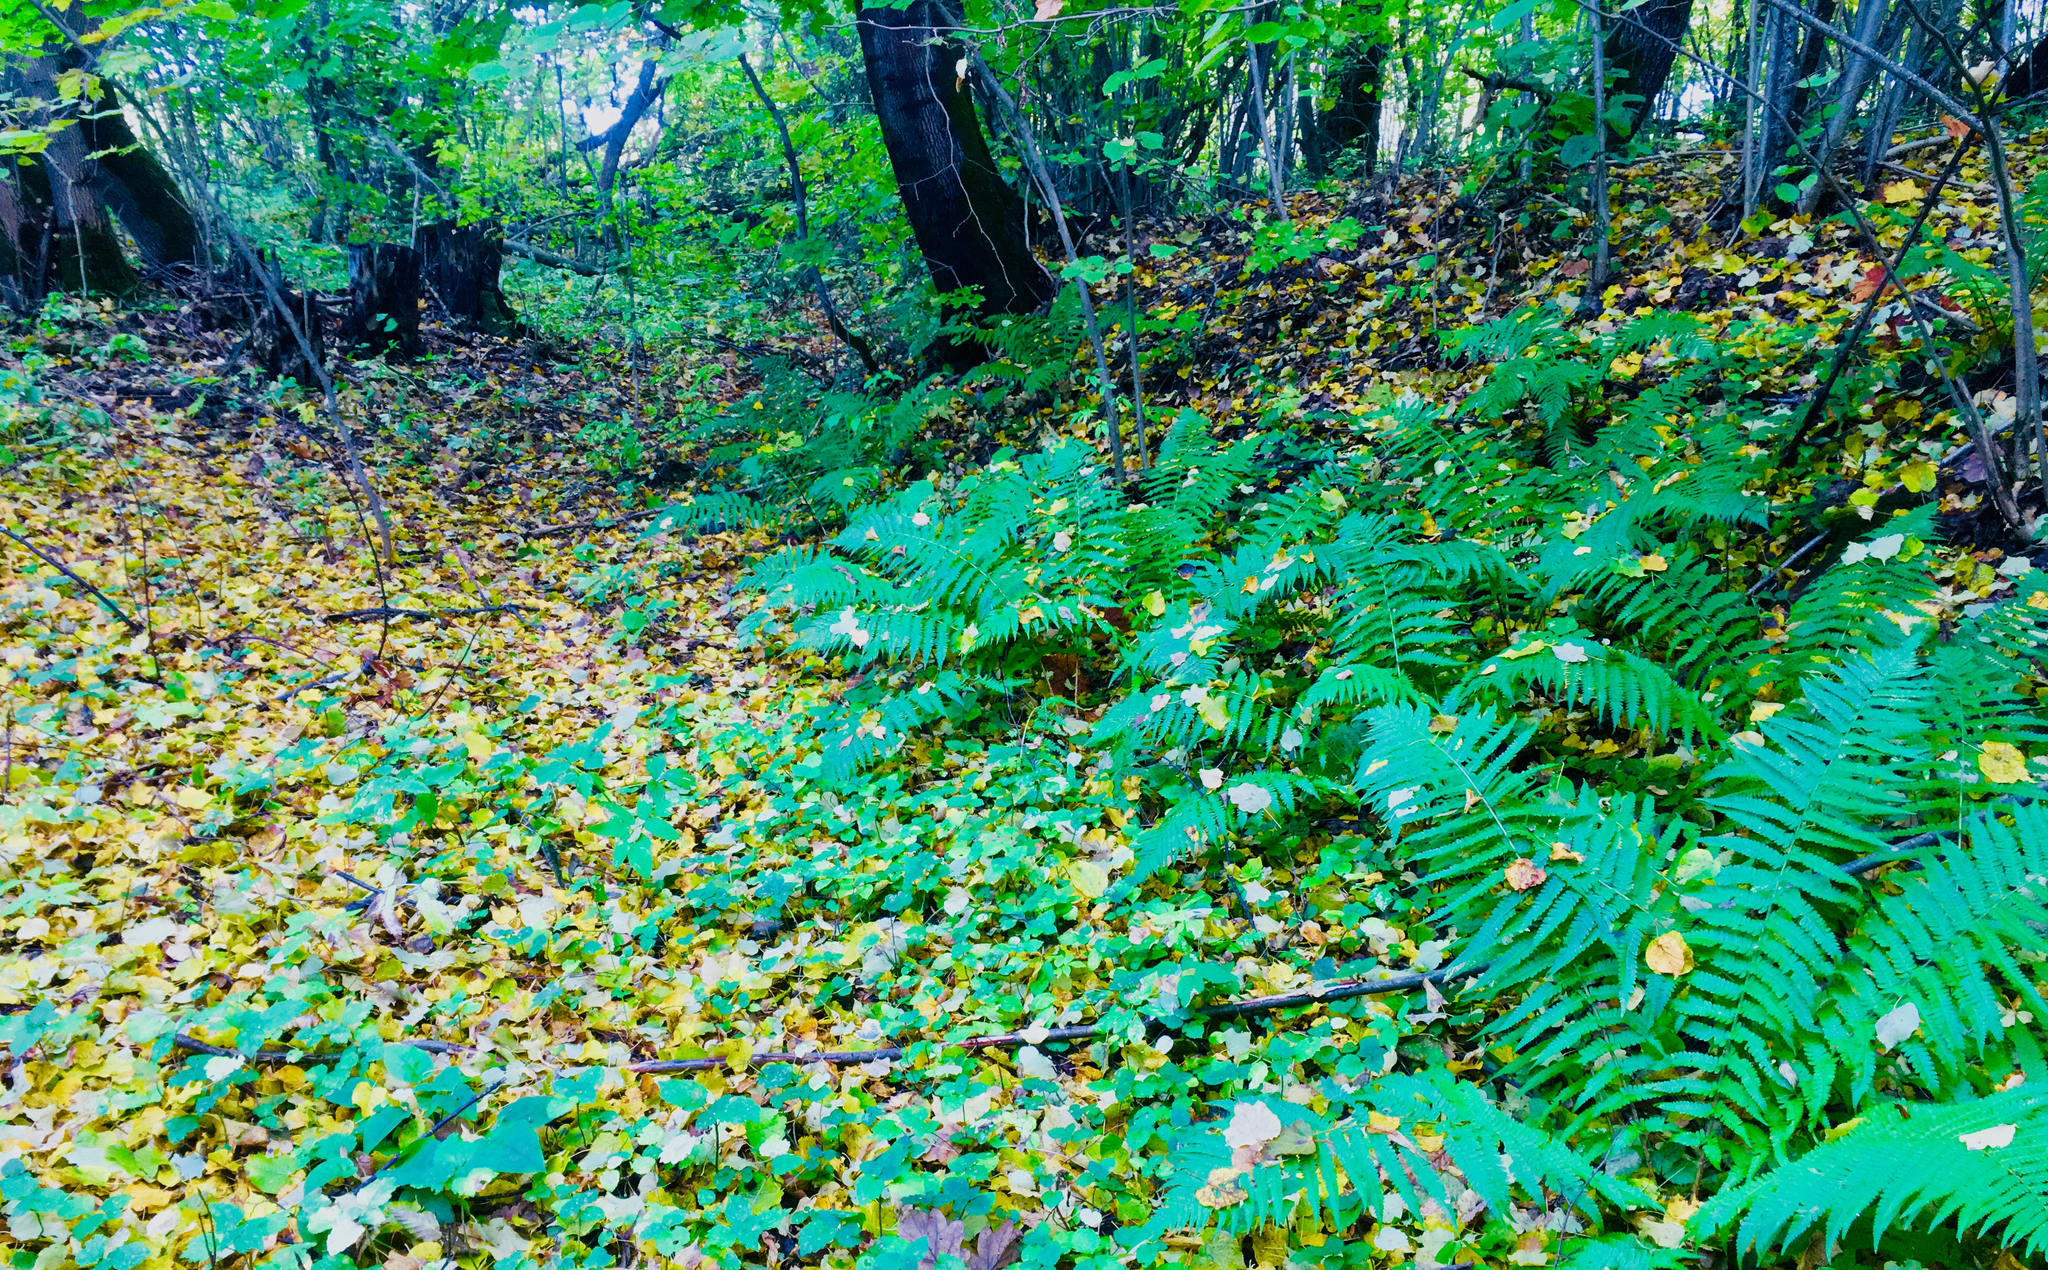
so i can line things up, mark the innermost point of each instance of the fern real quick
(1338, 1170)
(1982, 1164)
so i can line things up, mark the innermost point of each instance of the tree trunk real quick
(271, 342)
(76, 247)
(1641, 45)
(139, 189)
(85, 253)
(1779, 107)
(968, 222)
(1891, 103)
(384, 289)
(1354, 114)
(462, 264)
(1856, 68)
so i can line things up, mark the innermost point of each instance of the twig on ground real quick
(384, 611)
(600, 522)
(59, 566)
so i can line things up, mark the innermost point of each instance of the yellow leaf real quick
(192, 799)
(1531, 648)
(1763, 710)
(1654, 563)
(1918, 476)
(1669, 954)
(1155, 604)
(1903, 192)
(1379, 1122)
(368, 1097)
(1089, 878)
(2002, 763)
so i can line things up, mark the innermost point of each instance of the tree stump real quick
(384, 289)
(463, 266)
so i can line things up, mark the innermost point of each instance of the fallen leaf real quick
(1669, 954)
(1896, 1025)
(1998, 1135)
(1252, 1124)
(1525, 875)
(2002, 763)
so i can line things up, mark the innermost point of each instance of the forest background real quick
(1215, 634)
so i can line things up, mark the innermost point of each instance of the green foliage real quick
(1443, 670)
(1979, 1163)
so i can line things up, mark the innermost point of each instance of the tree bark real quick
(1641, 45)
(85, 253)
(139, 189)
(384, 289)
(1856, 68)
(1354, 113)
(646, 91)
(462, 265)
(968, 222)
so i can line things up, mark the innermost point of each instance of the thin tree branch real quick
(59, 566)
(859, 346)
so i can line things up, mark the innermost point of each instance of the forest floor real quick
(256, 725)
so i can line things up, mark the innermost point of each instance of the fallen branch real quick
(542, 256)
(1341, 990)
(600, 522)
(1971, 187)
(98, 594)
(386, 611)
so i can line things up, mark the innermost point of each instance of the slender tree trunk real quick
(1641, 45)
(1603, 225)
(646, 91)
(859, 346)
(1276, 176)
(1891, 103)
(968, 222)
(1856, 67)
(1034, 159)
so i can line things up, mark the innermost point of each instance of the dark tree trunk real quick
(1641, 45)
(1354, 113)
(76, 246)
(139, 189)
(463, 264)
(384, 289)
(968, 222)
(271, 342)
(2029, 76)
(85, 252)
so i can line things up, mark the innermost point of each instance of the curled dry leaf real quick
(1525, 875)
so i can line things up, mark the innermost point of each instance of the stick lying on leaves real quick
(59, 566)
(601, 522)
(386, 611)
(1340, 990)
(1030, 1036)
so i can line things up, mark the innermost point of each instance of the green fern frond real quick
(1982, 1164)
